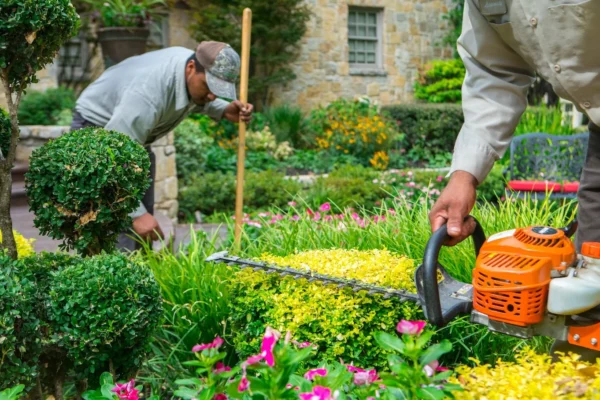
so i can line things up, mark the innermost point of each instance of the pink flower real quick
(254, 359)
(328, 218)
(411, 184)
(433, 367)
(317, 216)
(218, 342)
(355, 216)
(255, 224)
(310, 375)
(325, 207)
(310, 212)
(220, 368)
(365, 377)
(440, 178)
(410, 173)
(292, 204)
(352, 368)
(268, 345)
(295, 217)
(244, 384)
(410, 327)
(318, 393)
(379, 218)
(126, 391)
(289, 386)
(264, 214)
(219, 396)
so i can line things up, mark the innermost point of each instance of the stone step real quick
(18, 196)
(18, 172)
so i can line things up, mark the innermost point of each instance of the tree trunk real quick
(6, 165)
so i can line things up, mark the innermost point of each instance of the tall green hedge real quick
(429, 130)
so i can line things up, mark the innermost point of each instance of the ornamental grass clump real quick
(83, 186)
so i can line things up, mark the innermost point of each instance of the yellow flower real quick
(380, 160)
(24, 246)
(531, 376)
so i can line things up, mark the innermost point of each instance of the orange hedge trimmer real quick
(526, 282)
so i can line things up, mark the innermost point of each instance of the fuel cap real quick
(590, 249)
(544, 230)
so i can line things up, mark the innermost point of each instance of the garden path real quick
(23, 223)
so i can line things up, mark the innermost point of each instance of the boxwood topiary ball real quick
(103, 308)
(83, 186)
(20, 343)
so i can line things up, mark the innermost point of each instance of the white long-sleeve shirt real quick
(144, 97)
(503, 44)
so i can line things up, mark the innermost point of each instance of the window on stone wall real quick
(364, 37)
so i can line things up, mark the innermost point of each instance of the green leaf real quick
(399, 394)
(442, 376)
(107, 390)
(12, 393)
(389, 342)
(189, 381)
(186, 393)
(430, 393)
(435, 352)
(207, 393)
(395, 362)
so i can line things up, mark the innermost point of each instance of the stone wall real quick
(165, 185)
(411, 30)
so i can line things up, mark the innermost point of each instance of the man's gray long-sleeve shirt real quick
(503, 43)
(144, 97)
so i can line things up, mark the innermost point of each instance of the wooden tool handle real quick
(245, 58)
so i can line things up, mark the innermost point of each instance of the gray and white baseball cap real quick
(222, 67)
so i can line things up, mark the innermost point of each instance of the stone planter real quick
(119, 43)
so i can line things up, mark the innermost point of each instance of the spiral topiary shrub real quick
(20, 343)
(83, 186)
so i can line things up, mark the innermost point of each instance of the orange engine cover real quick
(512, 273)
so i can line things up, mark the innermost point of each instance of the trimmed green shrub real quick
(20, 343)
(340, 322)
(5, 132)
(31, 32)
(215, 192)
(46, 108)
(208, 194)
(429, 133)
(104, 308)
(440, 81)
(268, 189)
(191, 142)
(83, 186)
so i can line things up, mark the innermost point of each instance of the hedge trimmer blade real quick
(310, 276)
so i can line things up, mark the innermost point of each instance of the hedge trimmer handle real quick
(427, 282)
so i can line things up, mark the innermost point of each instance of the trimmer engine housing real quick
(513, 272)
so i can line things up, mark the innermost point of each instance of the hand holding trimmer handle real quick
(431, 292)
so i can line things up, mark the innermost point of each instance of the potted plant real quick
(123, 27)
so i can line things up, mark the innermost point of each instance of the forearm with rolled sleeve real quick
(135, 116)
(494, 95)
(215, 109)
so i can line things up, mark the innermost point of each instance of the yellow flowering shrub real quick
(24, 246)
(531, 376)
(340, 322)
(356, 128)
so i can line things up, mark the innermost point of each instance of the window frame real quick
(378, 65)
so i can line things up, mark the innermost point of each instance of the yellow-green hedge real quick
(531, 376)
(340, 322)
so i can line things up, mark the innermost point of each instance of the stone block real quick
(169, 207)
(163, 141)
(165, 166)
(373, 89)
(169, 150)
(343, 69)
(171, 138)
